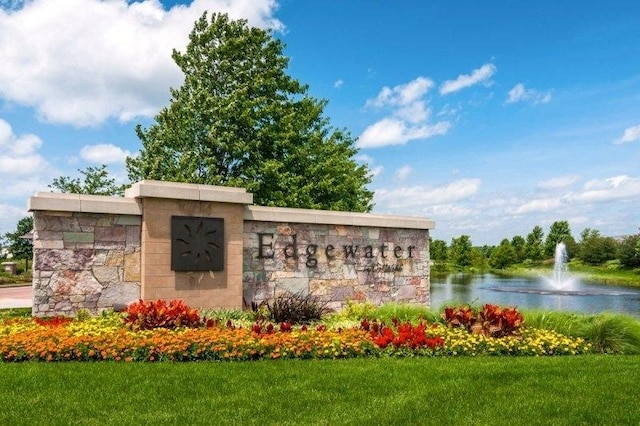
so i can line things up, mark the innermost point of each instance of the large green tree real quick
(518, 243)
(460, 251)
(438, 250)
(629, 251)
(503, 256)
(534, 246)
(595, 249)
(560, 231)
(239, 120)
(95, 181)
(19, 247)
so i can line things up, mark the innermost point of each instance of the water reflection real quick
(531, 293)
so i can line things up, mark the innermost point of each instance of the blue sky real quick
(489, 117)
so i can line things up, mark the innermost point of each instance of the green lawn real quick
(475, 391)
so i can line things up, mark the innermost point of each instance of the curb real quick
(11, 285)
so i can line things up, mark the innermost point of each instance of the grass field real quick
(594, 389)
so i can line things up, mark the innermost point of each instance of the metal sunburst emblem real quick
(197, 243)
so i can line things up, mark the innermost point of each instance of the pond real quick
(533, 293)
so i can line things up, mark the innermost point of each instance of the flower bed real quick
(128, 338)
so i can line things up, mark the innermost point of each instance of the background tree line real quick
(592, 249)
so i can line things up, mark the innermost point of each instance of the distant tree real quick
(239, 120)
(629, 251)
(438, 250)
(534, 247)
(594, 249)
(96, 181)
(460, 251)
(559, 232)
(503, 256)
(518, 243)
(487, 250)
(4, 250)
(479, 259)
(21, 248)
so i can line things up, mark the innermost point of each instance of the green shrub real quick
(223, 314)
(607, 332)
(612, 333)
(15, 313)
(355, 310)
(404, 313)
(566, 323)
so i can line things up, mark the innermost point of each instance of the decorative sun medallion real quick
(197, 243)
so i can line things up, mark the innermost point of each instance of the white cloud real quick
(22, 171)
(558, 182)
(613, 188)
(537, 205)
(392, 131)
(424, 197)
(520, 94)
(18, 154)
(9, 216)
(84, 61)
(104, 154)
(414, 113)
(449, 211)
(364, 158)
(408, 118)
(595, 191)
(478, 75)
(9, 210)
(338, 84)
(403, 94)
(376, 171)
(448, 110)
(630, 134)
(403, 173)
(370, 161)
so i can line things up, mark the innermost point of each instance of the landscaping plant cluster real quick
(159, 330)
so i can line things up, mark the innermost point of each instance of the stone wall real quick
(335, 262)
(84, 261)
(97, 252)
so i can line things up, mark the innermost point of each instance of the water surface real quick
(534, 292)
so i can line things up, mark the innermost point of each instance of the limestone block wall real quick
(209, 289)
(379, 262)
(85, 261)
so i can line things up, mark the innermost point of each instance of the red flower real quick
(285, 327)
(365, 325)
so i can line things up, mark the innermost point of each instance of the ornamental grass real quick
(112, 337)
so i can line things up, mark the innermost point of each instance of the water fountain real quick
(561, 280)
(560, 264)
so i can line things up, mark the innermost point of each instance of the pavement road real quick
(16, 297)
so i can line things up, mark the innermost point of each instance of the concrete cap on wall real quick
(326, 217)
(188, 191)
(130, 205)
(52, 201)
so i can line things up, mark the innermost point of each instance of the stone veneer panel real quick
(351, 262)
(85, 261)
(201, 289)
